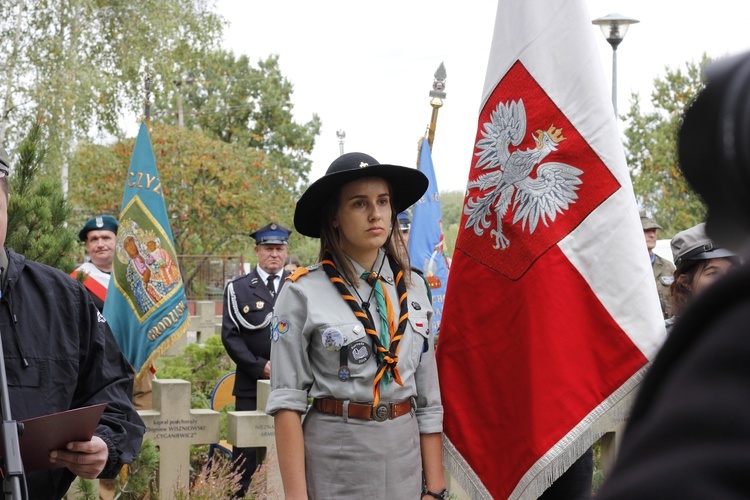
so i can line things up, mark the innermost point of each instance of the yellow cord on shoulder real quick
(300, 271)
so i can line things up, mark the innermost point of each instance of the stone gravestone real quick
(204, 323)
(173, 427)
(255, 428)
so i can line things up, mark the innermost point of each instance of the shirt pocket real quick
(420, 325)
(340, 344)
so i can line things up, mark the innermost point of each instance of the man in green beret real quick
(99, 234)
(663, 268)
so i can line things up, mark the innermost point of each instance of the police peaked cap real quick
(98, 223)
(271, 234)
(407, 187)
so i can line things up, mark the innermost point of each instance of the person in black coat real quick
(246, 330)
(688, 436)
(59, 354)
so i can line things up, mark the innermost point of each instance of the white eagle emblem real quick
(552, 191)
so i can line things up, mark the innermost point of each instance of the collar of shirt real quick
(264, 276)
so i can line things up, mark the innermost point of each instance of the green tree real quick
(229, 99)
(79, 64)
(651, 149)
(200, 364)
(37, 210)
(451, 204)
(216, 193)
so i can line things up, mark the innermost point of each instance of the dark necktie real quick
(269, 284)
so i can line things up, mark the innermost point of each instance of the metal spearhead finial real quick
(147, 102)
(438, 84)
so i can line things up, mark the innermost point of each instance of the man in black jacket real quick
(246, 330)
(688, 436)
(60, 355)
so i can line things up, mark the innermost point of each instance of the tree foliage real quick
(229, 99)
(79, 64)
(451, 205)
(37, 209)
(216, 193)
(651, 148)
(200, 364)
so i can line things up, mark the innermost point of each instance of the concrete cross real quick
(173, 427)
(256, 429)
(205, 322)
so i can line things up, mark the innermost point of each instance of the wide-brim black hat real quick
(407, 185)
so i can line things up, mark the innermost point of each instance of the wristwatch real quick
(441, 495)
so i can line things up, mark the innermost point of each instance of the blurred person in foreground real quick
(688, 436)
(61, 355)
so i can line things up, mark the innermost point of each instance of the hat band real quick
(695, 252)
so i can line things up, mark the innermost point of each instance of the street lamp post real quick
(188, 79)
(341, 136)
(614, 27)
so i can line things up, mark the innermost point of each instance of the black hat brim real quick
(407, 185)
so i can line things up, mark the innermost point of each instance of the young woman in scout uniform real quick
(353, 333)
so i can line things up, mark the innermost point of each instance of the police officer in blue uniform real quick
(246, 318)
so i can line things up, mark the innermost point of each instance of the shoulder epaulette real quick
(297, 274)
(426, 283)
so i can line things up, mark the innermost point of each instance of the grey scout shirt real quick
(311, 309)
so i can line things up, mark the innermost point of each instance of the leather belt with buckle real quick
(379, 413)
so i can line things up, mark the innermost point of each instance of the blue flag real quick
(145, 306)
(426, 239)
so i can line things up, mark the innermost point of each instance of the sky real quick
(367, 68)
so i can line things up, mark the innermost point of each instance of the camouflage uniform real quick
(664, 276)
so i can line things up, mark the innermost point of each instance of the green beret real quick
(98, 223)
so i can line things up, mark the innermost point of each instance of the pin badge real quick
(357, 328)
(359, 352)
(344, 373)
(416, 306)
(259, 304)
(332, 339)
(246, 309)
(254, 281)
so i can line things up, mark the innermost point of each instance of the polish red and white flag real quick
(551, 314)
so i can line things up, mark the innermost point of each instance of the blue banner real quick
(426, 239)
(145, 306)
